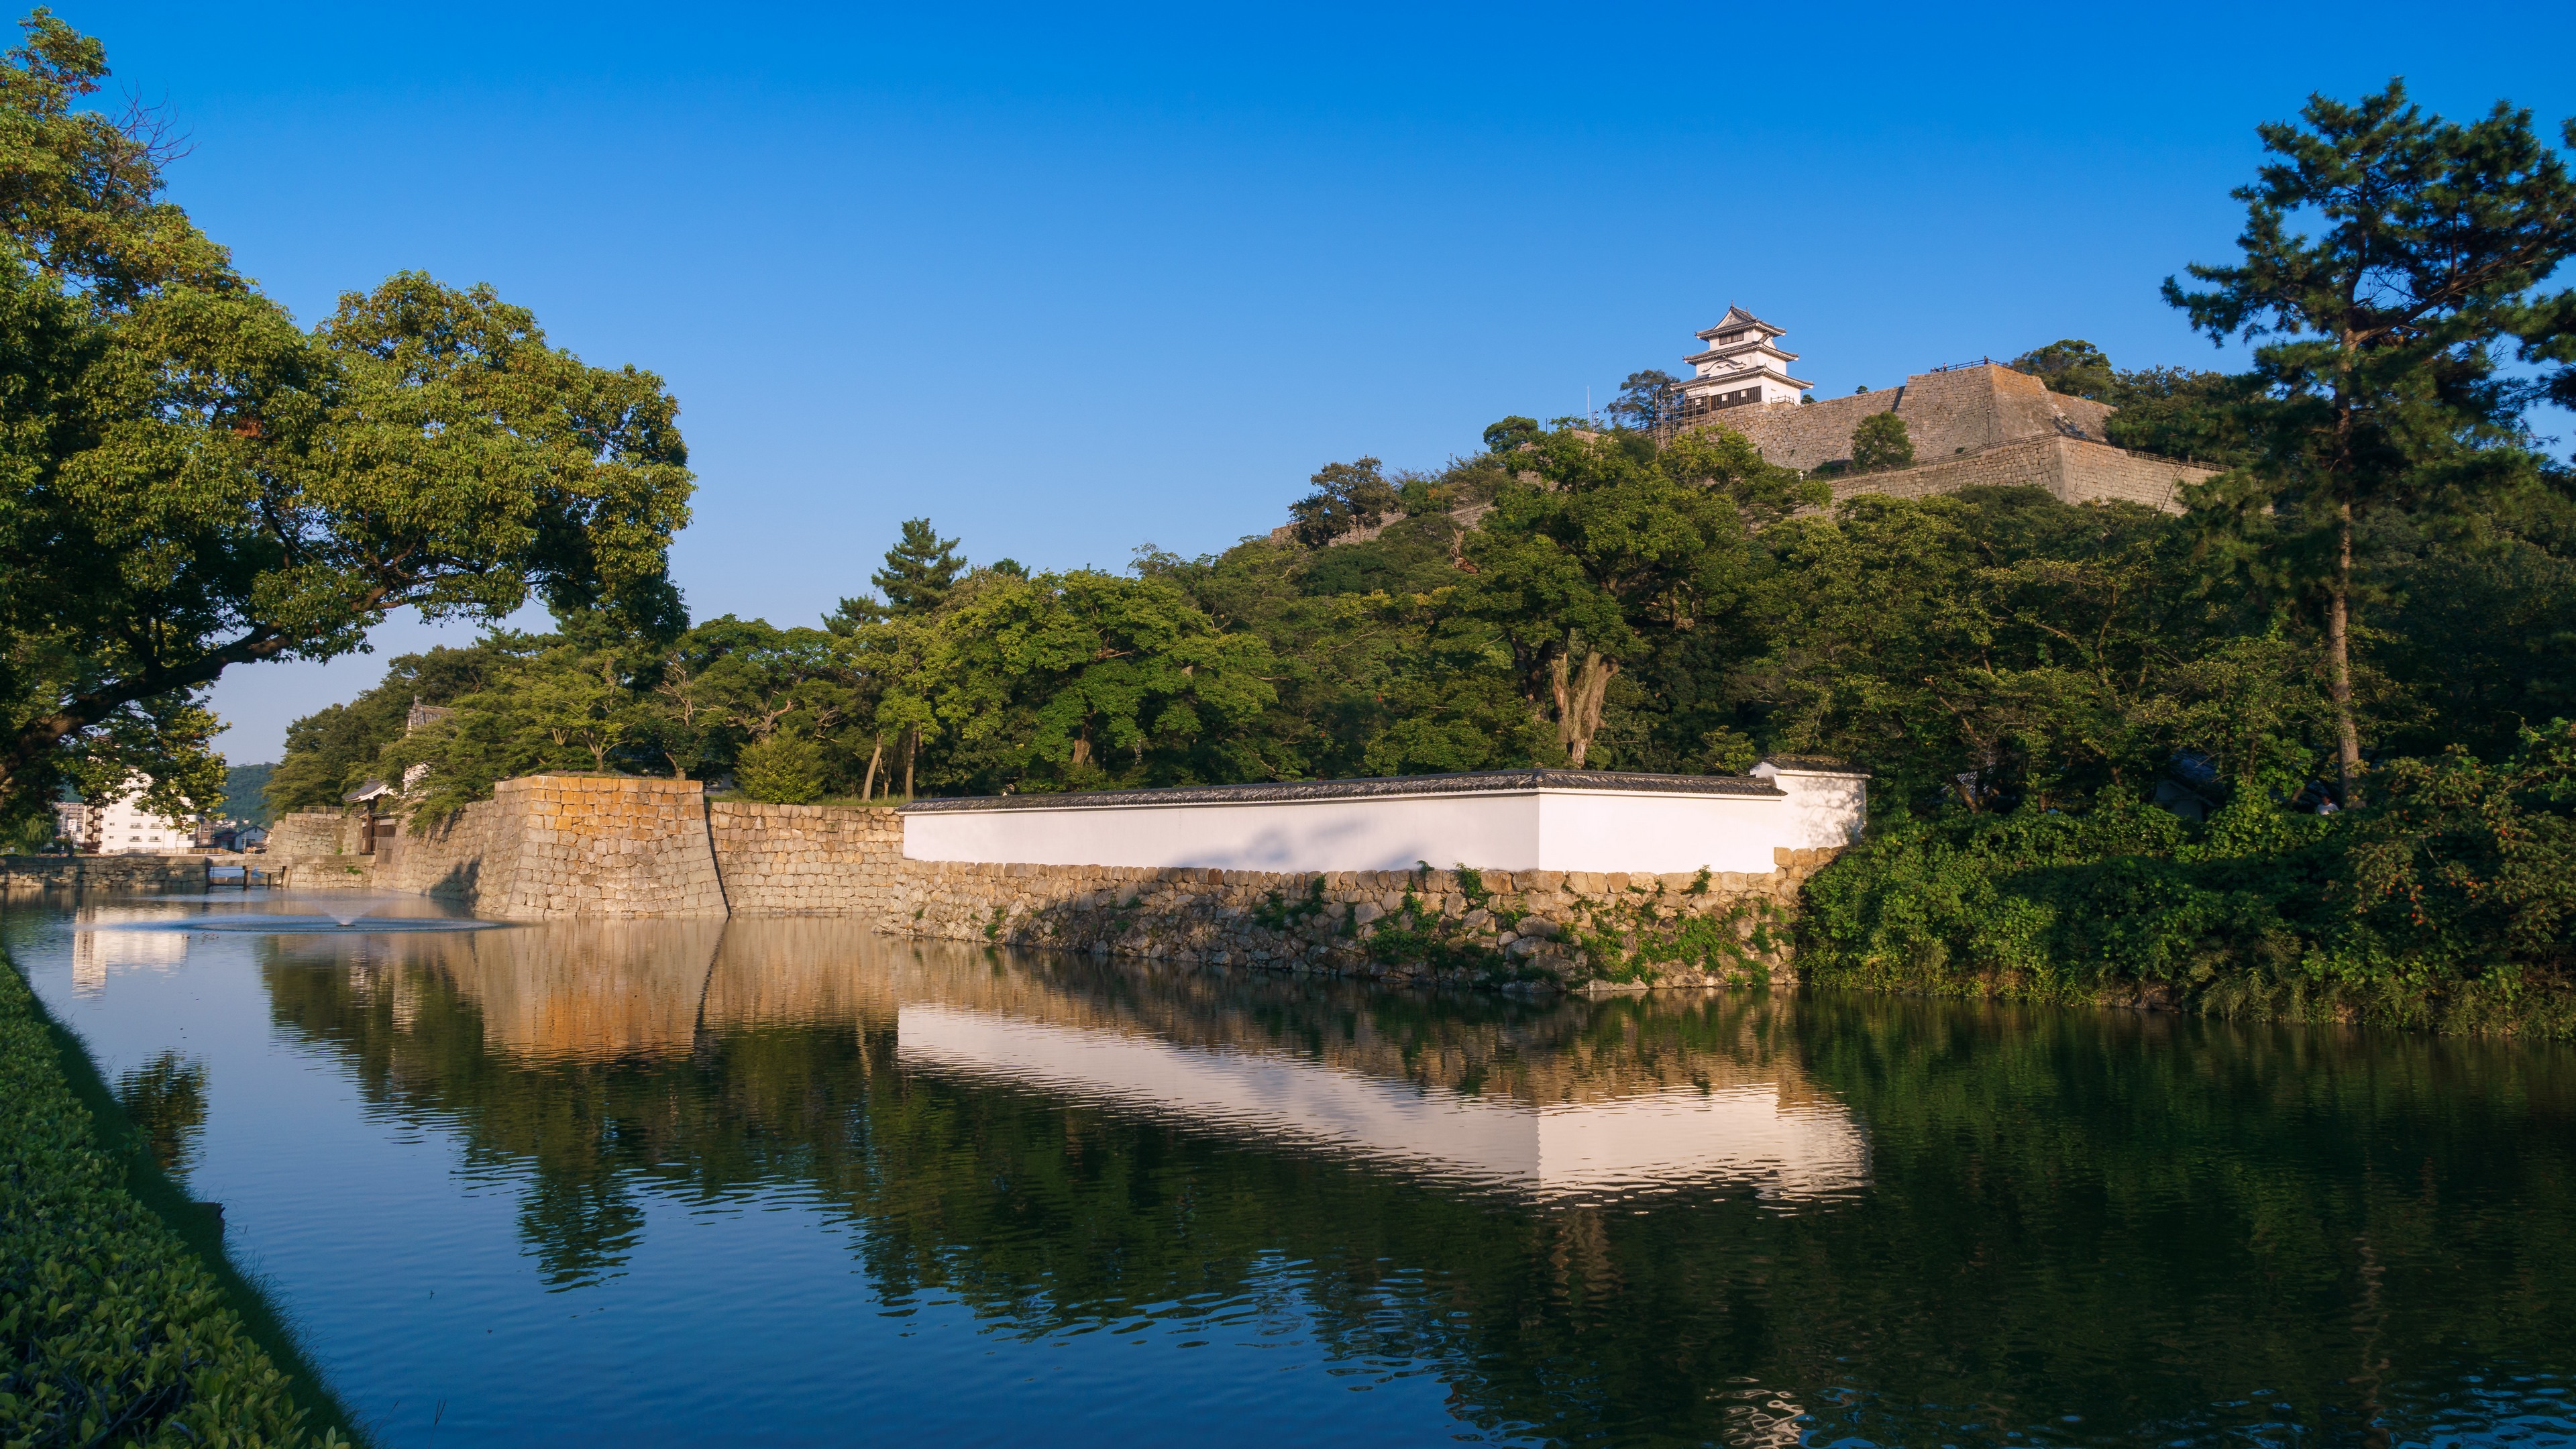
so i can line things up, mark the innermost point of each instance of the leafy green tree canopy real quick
(1880, 443)
(2380, 369)
(1347, 496)
(2072, 366)
(188, 481)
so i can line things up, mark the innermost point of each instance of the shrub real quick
(2447, 905)
(1880, 443)
(781, 770)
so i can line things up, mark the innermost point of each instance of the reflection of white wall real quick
(1662, 1139)
(119, 947)
(1544, 828)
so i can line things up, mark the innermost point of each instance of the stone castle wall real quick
(806, 860)
(561, 847)
(311, 832)
(1533, 929)
(449, 857)
(36, 874)
(2073, 469)
(618, 846)
(1947, 414)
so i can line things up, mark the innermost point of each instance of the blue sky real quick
(1070, 281)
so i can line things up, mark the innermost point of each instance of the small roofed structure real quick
(1742, 365)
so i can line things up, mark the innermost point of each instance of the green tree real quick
(1880, 444)
(1347, 496)
(1599, 569)
(2381, 377)
(335, 749)
(781, 770)
(1086, 678)
(2072, 366)
(1647, 400)
(1510, 433)
(919, 571)
(194, 483)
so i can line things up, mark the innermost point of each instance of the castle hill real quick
(1892, 767)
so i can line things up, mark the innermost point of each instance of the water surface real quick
(791, 1182)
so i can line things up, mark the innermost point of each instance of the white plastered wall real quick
(1538, 829)
(1827, 808)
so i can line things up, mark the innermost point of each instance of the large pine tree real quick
(2384, 328)
(919, 571)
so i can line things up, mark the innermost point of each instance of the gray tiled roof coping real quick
(1479, 782)
(1813, 765)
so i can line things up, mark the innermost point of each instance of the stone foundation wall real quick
(311, 832)
(1530, 930)
(806, 860)
(319, 872)
(1946, 414)
(2070, 468)
(36, 874)
(618, 846)
(450, 858)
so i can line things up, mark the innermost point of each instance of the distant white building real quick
(1742, 366)
(123, 826)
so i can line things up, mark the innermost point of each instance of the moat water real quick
(788, 1182)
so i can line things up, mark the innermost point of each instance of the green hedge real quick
(2449, 904)
(112, 1331)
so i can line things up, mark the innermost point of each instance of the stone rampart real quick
(1947, 414)
(806, 860)
(36, 874)
(550, 847)
(312, 831)
(450, 857)
(1526, 929)
(2073, 469)
(578, 845)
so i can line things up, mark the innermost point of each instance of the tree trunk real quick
(911, 748)
(1578, 702)
(868, 791)
(2339, 662)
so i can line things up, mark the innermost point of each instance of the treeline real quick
(1619, 604)
(2370, 612)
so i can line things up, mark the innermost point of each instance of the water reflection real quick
(1681, 1217)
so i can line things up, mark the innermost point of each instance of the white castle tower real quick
(1741, 365)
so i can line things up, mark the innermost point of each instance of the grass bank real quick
(2448, 905)
(121, 1320)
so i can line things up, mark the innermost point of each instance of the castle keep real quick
(1972, 425)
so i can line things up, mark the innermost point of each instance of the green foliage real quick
(111, 1332)
(334, 750)
(919, 571)
(194, 482)
(243, 787)
(781, 770)
(2380, 335)
(1880, 444)
(1647, 400)
(2447, 905)
(1347, 496)
(2072, 366)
